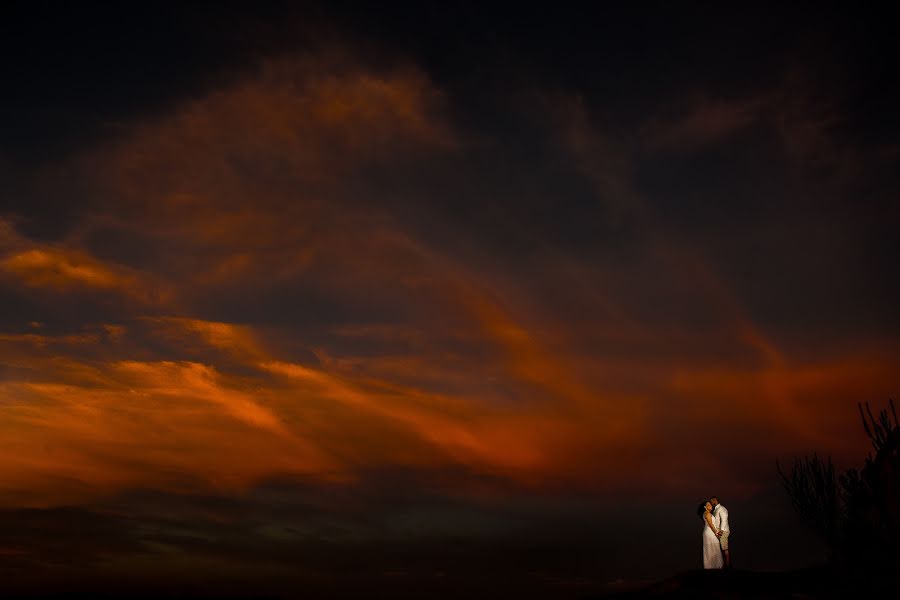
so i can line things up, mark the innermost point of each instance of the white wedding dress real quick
(712, 551)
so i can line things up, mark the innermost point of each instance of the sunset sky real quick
(332, 297)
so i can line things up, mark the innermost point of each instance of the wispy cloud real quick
(278, 316)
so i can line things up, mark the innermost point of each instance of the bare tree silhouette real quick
(857, 512)
(815, 493)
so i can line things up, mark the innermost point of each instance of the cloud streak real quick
(291, 299)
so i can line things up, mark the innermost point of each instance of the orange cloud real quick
(62, 269)
(281, 321)
(235, 339)
(192, 380)
(137, 424)
(459, 427)
(41, 268)
(118, 423)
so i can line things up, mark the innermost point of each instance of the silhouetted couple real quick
(715, 534)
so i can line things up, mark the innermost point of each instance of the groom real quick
(720, 520)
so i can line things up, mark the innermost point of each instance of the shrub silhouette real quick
(857, 512)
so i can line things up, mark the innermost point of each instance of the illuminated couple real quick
(715, 534)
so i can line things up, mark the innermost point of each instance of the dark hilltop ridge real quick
(809, 583)
(813, 582)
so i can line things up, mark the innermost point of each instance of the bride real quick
(712, 551)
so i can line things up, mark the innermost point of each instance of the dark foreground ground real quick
(818, 582)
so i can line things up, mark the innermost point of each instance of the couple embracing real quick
(715, 535)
